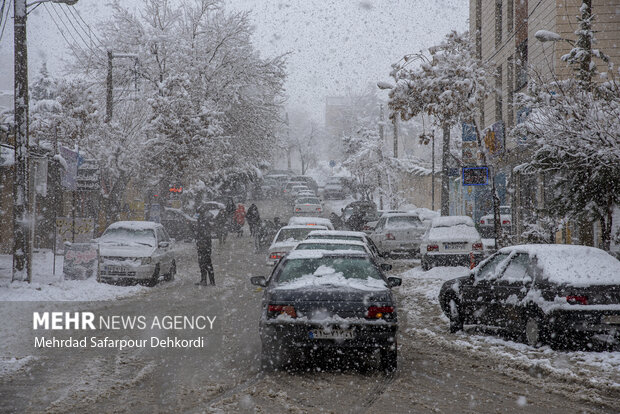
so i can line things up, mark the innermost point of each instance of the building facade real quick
(504, 33)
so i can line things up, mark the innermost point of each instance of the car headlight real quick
(146, 260)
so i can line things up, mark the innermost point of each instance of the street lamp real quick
(22, 247)
(548, 36)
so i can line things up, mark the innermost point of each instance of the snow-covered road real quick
(438, 371)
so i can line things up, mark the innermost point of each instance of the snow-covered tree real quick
(574, 132)
(450, 85)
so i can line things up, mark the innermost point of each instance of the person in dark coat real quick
(336, 221)
(253, 218)
(204, 227)
(356, 221)
(230, 212)
(221, 227)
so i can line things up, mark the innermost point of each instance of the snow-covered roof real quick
(450, 221)
(333, 241)
(317, 254)
(336, 233)
(311, 221)
(573, 265)
(135, 225)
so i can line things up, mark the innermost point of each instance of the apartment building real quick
(504, 32)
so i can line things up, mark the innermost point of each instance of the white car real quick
(136, 251)
(334, 188)
(487, 227)
(327, 244)
(310, 221)
(286, 239)
(398, 234)
(308, 205)
(451, 241)
(296, 189)
(370, 226)
(345, 235)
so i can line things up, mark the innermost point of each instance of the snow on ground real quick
(9, 365)
(47, 286)
(419, 299)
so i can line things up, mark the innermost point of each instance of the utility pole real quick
(22, 253)
(395, 125)
(445, 184)
(288, 142)
(433, 170)
(109, 103)
(382, 143)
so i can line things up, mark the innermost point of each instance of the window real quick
(521, 65)
(510, 15)
(498, 23)
(510, 118)
(517, 270)
(479, 30)
(498, 94)
(487, 271)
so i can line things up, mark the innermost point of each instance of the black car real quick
(560, 295)
(178, 224)
(330, 301)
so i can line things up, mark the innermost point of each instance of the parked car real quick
(345, 235)
(334, 189)
(178, 224)
(451, 241)
(327, 300)
(286, 239)
(136, 252)
(398, 234)
(308, 205)
(310, 221)
(487, 225)
(542, 294)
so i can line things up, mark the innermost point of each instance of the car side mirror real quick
(163, 244)
(394, 281)
(386, 267)
(258, 281)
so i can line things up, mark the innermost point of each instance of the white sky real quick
(335, 44)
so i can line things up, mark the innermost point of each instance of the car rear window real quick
(403, 221)
(332, 237)
(308, 201)
(293, 234)
(346, 267)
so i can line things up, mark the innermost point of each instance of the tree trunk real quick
(606, 227)
(445, 183)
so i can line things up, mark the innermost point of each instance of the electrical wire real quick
(75, 12)
(71, 45)
(6, 18)
(89, 47)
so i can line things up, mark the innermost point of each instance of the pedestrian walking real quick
(239, 219)
(253, 218)
(221, 227)
(203, 230)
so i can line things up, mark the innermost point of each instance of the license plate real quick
(611, 319)
(454, 246)
(332, 334)
(115, 269)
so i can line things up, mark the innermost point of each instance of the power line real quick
(72, 46)
(89, 47)
(6, 19)
(75, 12)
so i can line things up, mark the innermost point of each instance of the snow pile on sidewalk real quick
(46, 286)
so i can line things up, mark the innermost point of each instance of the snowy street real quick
(438, 371)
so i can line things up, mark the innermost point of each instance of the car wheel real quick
(454, 314)
(389, 358)
(169, 277)
(155, 278)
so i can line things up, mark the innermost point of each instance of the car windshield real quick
(293, 234)
(403, 221)
(346, 267)
(122, 236)
(330, 246)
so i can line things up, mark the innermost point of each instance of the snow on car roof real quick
(450, 221)
(135, 225)
(333, 241)
(301, 226)
(573, 265)
(336, 233)
(310, 221)
(317, 254)
(400, 214)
